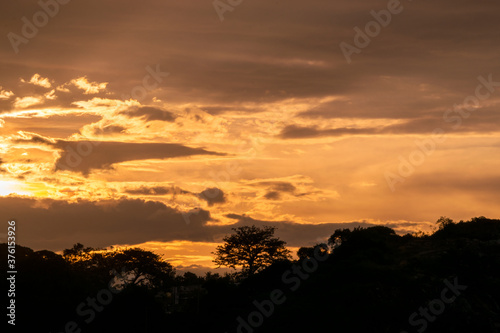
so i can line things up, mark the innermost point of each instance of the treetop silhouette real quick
(252, 248)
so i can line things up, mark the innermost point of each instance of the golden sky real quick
(158, 124)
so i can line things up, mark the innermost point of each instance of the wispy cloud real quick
(89, 87)
(38, 80)
(5, 94)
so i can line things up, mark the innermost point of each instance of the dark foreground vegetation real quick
(364, 280)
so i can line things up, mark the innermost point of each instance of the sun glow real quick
(11, 187)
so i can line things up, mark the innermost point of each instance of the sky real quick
(164, 124)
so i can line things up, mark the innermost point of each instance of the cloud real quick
(279, 186)
(108, 130)
(50, 95)
(149, 113)
(275, 188)
(212, 196)
(480, 121)
(28, 101)
(217, 110)
(56, 225)
(273, 195)
(88, 87)
(63, 97)
(302, 132)
(232, 66)
(156, 190)
(38, 80)
(33, 138)
(63, 88)
(288, 190)
(85, 156)
(5, 94)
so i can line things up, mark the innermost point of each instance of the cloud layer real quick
(55, 225)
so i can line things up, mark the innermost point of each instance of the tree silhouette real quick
(308, 252)
(339, 236)
(252, 248)
(375, 234)
(78, 253)
(443, 222)
(134, 266)
(142, 268)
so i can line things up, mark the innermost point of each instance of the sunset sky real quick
(163, 124)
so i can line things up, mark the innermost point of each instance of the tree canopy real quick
(308, 252)
(252, 248)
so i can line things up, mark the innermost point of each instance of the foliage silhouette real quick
(252, 248)
(373, 280)
(308, 252)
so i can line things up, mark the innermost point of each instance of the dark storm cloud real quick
(212, 196)
(156, 190)
(55, 225)
(84, 156)
(149, 113)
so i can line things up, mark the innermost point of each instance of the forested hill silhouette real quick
(364, 280)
